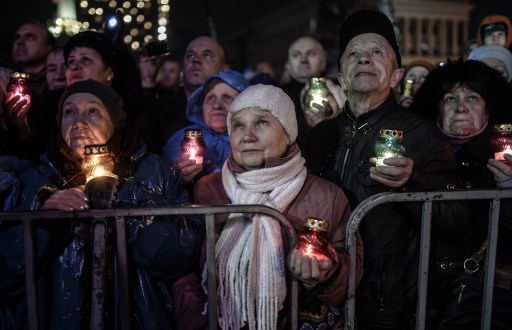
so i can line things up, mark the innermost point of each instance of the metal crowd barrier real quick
(427, 198)
(100, 221)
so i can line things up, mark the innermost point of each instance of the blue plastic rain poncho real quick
(218, 147)
(159, 248)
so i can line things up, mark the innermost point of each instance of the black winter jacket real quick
(339, 149)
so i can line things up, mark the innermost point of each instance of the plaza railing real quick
(100, 223)
(427, 199)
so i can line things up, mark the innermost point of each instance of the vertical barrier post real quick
(122, 257)
(426, 223)
(28, 254)
(212, 276)
(98, 273)
(490, 263)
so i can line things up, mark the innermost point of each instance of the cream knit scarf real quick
(250, 255)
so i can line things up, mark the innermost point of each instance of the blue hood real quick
(195, 105)
(218, 147)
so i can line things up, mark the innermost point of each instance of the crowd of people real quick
(264, 143)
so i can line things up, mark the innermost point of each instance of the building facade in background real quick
(430, 29)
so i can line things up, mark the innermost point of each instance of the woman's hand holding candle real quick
(309, 267)
(15, 111)
(189, 166)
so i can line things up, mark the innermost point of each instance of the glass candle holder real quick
(388, 145)
(317, 93)
(193, 143)
(19, 84)
(97, 162)
(313, 240)
(501, 141)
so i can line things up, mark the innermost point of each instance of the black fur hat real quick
(475, 75)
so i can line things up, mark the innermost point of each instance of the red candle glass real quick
(501, 141)
(313, 240)
(19, 84)
(193, 143)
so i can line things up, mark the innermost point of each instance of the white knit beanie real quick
(268, 98)
(496, 52)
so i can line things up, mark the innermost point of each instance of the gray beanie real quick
(496, 52)
(268, 98)
(107, 95)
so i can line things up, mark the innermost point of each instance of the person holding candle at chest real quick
(94, 135)
(202, 148)
(347, 150)
(266, 167)
(470, 103)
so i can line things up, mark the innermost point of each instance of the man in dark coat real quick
(342, 150)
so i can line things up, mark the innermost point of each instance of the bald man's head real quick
(204, 57)
(306, 59)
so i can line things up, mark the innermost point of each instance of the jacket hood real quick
(493, 19)
(195, 105)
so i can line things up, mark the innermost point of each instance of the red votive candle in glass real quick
(19, 84)
(501, 141)
(313, 240)
(194, 144)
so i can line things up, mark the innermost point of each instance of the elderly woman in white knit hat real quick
(495, 56)
(266, 167)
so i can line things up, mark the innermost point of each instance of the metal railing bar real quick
(211, 269)
(122, 257)
(119, 214)
(28, 255)
(490, 262)
(426, 223)
(98, 273)
(133, 212)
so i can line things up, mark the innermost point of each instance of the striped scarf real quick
(249, 253)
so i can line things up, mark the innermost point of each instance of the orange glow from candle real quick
(309, 250)
(499, 155)
(192, 152)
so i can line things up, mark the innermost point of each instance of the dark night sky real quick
(188, 17)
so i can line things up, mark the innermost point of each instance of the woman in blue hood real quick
(207, 109)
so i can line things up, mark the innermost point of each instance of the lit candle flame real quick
(500, 155)
(380, 160)
(99, 171)
(192, 152)
(18, 92)
(309, 250)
